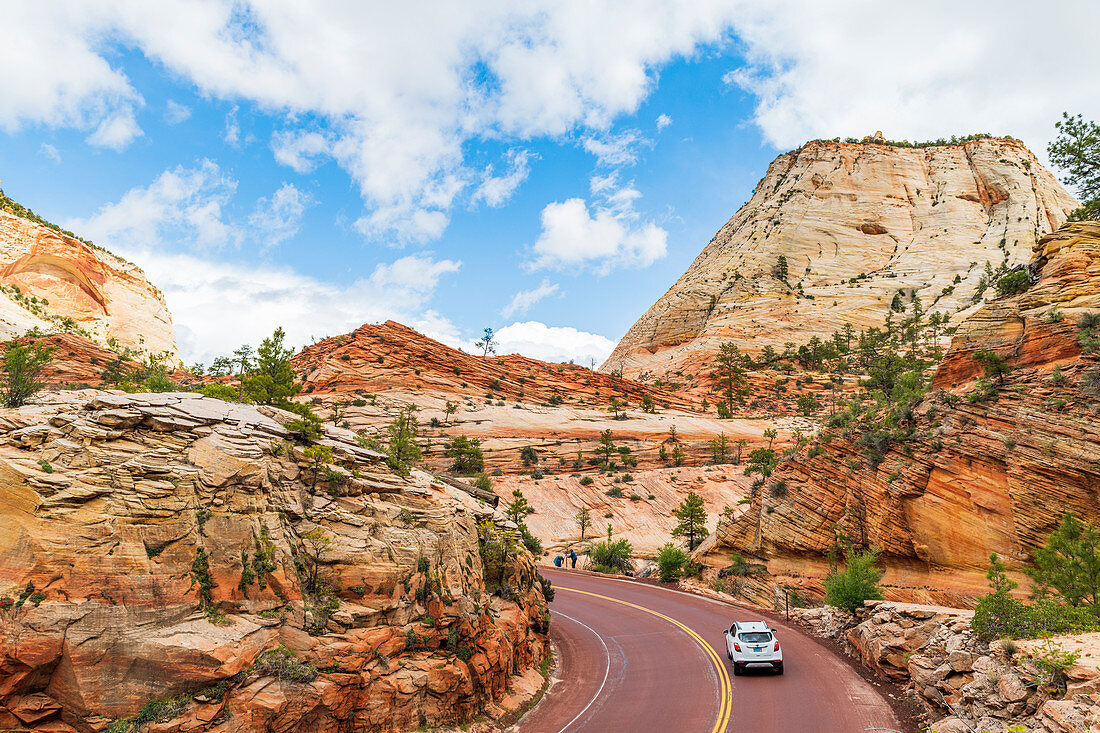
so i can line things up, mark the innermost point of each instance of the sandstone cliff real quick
(173, 558)
(857, 223)
(999, 467)
(53, 281)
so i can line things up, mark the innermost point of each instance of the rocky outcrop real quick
(390, 356)
(53, 281)
(997, 465)
(961, 683)
(181, 560)
(857, 223)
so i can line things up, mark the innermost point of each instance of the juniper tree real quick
(692, 518)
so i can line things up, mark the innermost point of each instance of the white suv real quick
(753, 643)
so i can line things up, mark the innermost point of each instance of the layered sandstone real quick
(995, 472)
(387, 357)
(158, 546)
(57, 282)
(857, 223)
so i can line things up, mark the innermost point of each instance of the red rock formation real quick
(155, 546)
(391, 356)
(105, 296)
(996, 476)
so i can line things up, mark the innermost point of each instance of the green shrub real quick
(615, 556)
(849, 588)
(587, 481)
(162, 710)
(615, 492)
(1013, 283)
(23, 367)
(1000, 616)
(283, 664)
(466, 454)
(547, 589)
(220, 392)
(670, 562)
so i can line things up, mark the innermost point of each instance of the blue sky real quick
(548, 171)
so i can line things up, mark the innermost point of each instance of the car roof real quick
(748, 626)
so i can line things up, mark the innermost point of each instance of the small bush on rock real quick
(670, 562)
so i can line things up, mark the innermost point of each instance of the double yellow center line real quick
(723, 676)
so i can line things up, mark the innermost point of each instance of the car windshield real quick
(756, 637)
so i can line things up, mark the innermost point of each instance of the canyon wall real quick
(175, 559)
(53, 282)
(994, 469)
(857, 224)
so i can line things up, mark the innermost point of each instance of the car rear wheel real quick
(779, 668)
(737, 669)
(729, 655)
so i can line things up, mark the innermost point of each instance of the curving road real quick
(639, 658)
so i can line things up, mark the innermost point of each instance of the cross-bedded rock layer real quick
(156, 545)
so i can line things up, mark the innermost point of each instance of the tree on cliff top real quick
(23, 367)
(273, 381)
(487, 344)
(1076, 150)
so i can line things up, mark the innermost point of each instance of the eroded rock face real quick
(921, 220)
(996, 476)
(155, 545)
(961, 683)
(106, 296)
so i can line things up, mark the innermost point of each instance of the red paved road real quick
(624, 668)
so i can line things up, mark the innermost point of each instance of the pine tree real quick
(518, 508)
(692, 517)
(583, 520)
(272, 382)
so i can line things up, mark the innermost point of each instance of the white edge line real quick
(606, 672)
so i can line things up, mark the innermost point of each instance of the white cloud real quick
(523, 300)
(175, 113)
(217, 306)
(50, 152)
(849, 68)
(117, 131)
(299, 150)
(496, 190)
(279, 218)
(608, 236)
(553, 343)
(232, 134)
(401, 90)
(663, 121)
(183, 205)
(616, 150)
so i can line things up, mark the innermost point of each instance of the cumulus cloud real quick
(663, 121)
(495, 191)
(553, 343)
(175, 113)
(400, 90)
(278, 219)
(522, 301)
(606, 236)
(218, 305)
(848, 68)
(181, 206)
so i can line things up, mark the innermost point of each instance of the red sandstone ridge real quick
(996, 472)
(54, 281)
(390, 356)
(857, 223)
